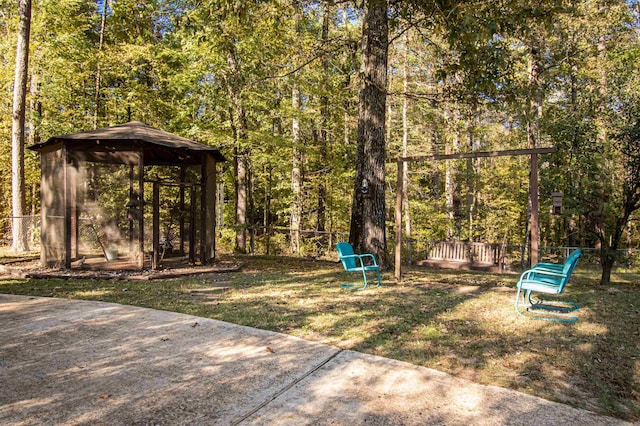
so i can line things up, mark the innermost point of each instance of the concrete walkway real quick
(76, 362)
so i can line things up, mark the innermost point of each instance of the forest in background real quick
(275, 84)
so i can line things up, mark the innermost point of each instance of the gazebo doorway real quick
(116, 191)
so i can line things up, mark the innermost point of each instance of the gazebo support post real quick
(75, 212)
(192, 226)
(141, 214)
(183, 174)
(67, 208)
(155, 259)
(203, 213)
(131, 178)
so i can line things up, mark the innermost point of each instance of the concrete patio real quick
(77, 362)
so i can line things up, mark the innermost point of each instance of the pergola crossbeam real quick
(477, 154)
(533, 152)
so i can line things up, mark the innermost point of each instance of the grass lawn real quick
(462, 323)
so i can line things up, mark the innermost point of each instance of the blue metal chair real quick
(547, 278)
(557, 267)
(356, 263)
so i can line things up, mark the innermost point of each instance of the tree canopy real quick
(458, 78)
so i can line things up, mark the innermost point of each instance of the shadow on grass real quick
(458, 322)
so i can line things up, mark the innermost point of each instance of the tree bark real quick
(368, 233)
(533, 134)
(324, 120)
(405, 147)
(296, 175)
(241, 160)
(20, 242)
(103, 19)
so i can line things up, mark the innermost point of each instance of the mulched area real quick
(99, 268)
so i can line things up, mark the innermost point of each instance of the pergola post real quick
(399, 192)
(534, 224)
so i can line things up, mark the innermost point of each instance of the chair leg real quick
(378, 275)
(357, 286)
(547, 313)
(364, 276)
(553, 305)
(517, 305)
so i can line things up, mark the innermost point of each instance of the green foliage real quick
(168, 64)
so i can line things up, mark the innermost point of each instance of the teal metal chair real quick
(557, 267)
(549, 278)
(357, 263)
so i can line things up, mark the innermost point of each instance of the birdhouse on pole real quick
(556, 203)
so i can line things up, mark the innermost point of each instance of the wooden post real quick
(399, 189)
(75, 213)
(156, 226)
(192, 226)
(67, 207)
(132, 218)
(203, 212)
(45, 173)
(535, 209)
(141, 215)
(183, 175)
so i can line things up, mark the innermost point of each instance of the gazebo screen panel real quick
(53, 207)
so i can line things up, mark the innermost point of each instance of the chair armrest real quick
(543, 272)
(547, 265)
(348, 256)
(371, 256)
(354, 256)
(549, 271)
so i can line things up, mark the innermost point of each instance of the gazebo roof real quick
(158, 147)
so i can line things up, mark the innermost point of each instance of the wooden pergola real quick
(136, 145)
(533, 192)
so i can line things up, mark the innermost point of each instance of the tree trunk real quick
(368, 233)
(607, 259)
(241, 150)
(103, 19)
(451, 176)
(267, 208)
(533, 134)
(17, 130)
(296, 175)
(35, 111)
(609, 249)
(405, 147)
(324, 120)
(241, 177)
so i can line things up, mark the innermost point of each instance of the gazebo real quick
(134, 148)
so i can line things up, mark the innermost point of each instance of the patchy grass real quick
(459, 322)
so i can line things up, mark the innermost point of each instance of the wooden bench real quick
(549, 278)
